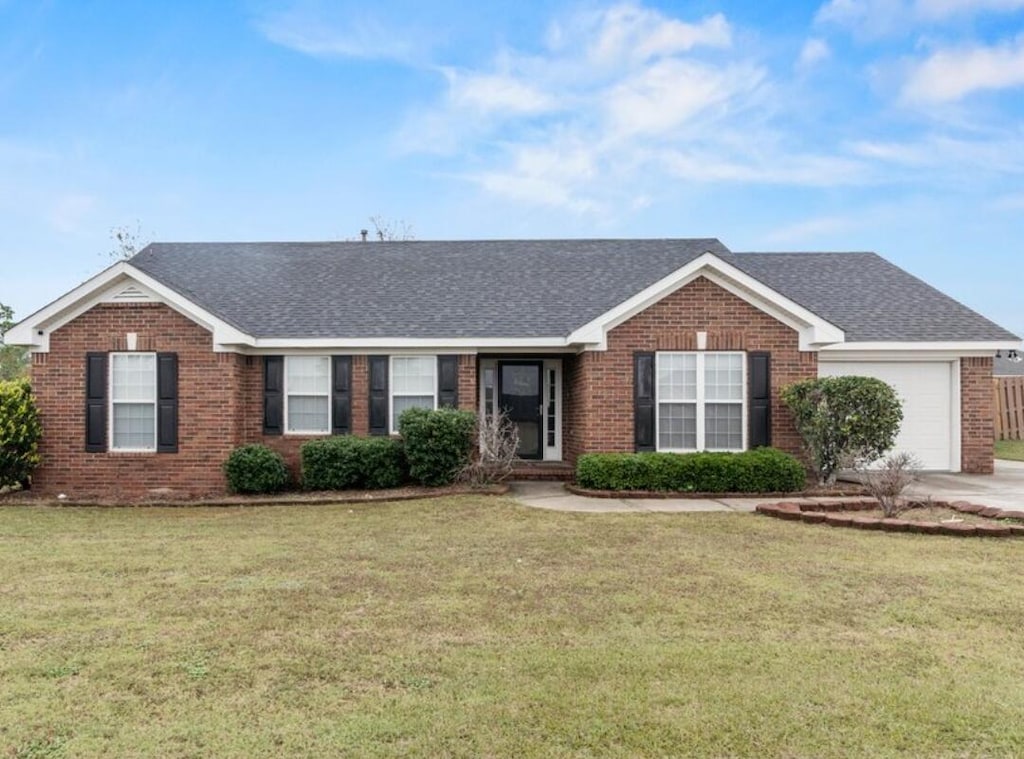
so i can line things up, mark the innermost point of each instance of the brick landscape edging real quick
(834, 514)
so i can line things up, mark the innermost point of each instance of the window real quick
(413, 385)
(308, 394)
(700, 401)
(133, 401)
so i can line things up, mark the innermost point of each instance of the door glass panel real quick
(522, 399)
(529, 439)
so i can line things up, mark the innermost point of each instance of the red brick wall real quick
(208, 411)
(288, 445)
(599, 413)
(220, 406)
(977, 423)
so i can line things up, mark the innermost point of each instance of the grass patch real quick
(1010, 449)
(476, 627)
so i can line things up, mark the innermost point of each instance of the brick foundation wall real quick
(977, 423)
(599, 412)
(208, 406)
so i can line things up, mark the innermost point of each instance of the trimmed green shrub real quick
(19, 433)
(255, 468)
(763, 470)
(437, 443)
(845, 422)
(347, 463)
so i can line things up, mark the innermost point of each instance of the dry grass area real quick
(475, 627)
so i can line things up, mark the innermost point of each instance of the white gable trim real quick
(814, 331)
(34, 331)
(916, 351)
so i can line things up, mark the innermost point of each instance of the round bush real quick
(255, 469)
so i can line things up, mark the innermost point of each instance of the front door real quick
(521, 396)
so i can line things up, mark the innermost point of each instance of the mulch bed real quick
(992, 522)
(26, 497)
(846, 492)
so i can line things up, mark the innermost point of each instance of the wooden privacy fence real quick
(1009, 407)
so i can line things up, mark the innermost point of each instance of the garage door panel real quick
(925, 390)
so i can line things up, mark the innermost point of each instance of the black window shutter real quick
(95, 402)
(167, 402)
(448, 381)
(643, 402)
(273, 395)
(760, 378)
(378, 395)
(341, 395)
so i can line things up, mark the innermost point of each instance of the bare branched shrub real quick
(498, 440)
(886, 483)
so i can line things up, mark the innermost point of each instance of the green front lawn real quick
(1010, 449)
(477, 627)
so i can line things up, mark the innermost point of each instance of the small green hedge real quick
(437, 443)
(255, 468)
(349, 463)
(763, 470)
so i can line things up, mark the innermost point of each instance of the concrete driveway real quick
(1004, 489)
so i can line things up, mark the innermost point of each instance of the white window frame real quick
(701, 400)
(393, 423)
(112, 402)
(286, 393)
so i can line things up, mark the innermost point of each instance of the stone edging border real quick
(833, 514)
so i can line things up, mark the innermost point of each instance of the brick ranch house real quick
(149, 373)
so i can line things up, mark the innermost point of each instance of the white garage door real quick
(926, 391)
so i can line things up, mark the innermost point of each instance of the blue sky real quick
(888, 125)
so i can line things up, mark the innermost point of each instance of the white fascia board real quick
(422, 345)
(915, 351)
(813, 330)
(34, 331)
(26, 332)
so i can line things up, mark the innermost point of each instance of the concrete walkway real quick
(1004, 489)
(553, 496)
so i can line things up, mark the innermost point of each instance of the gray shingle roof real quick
(868, 297)
(523, 288)
(535, 288)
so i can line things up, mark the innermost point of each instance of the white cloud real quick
(665, 95)
(938, 9)
(364, 36)
(951, 74)
(866, 17)
(570, 124)
(876, 18)
(767, 167)
(809, 230)
(555, 176)
(814, 51)
(632, 32)
(495, 92)
(991, 153)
